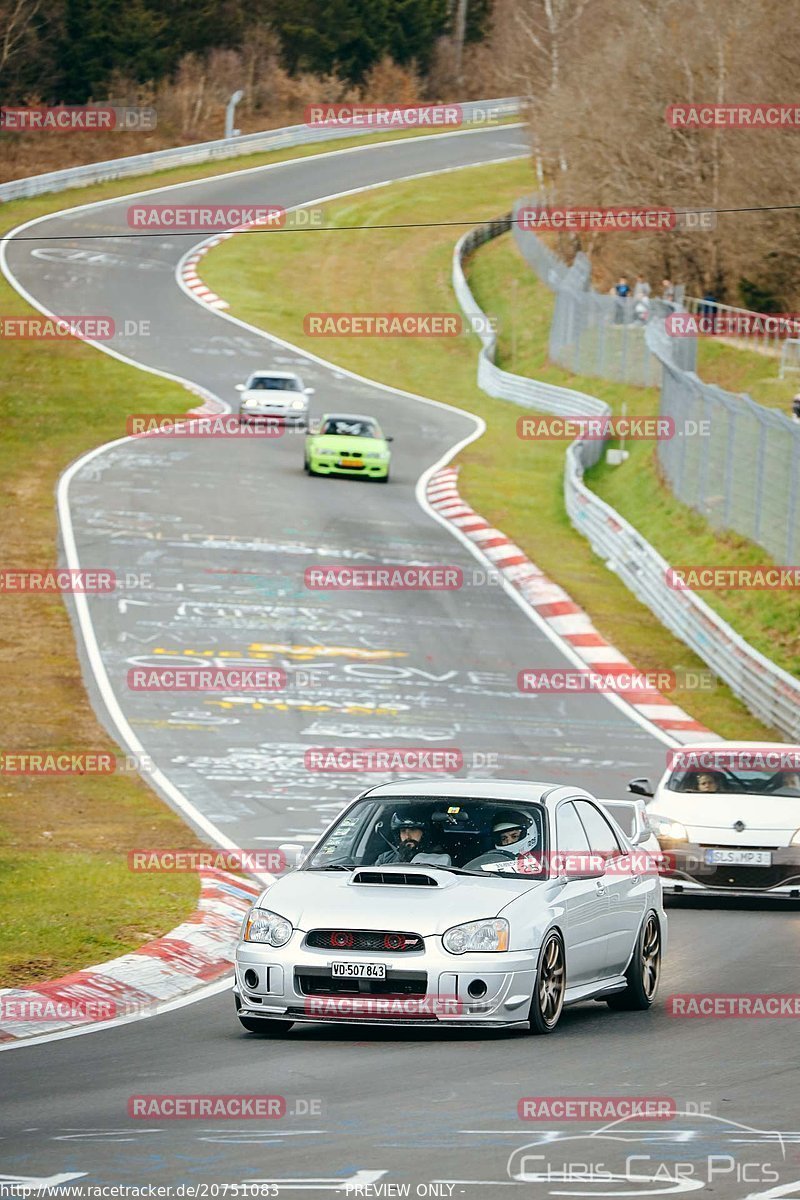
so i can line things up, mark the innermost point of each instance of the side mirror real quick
(240, 387)
(294, 853)
(309, 391)
(582, 866)
(641, 787)
(388, 439)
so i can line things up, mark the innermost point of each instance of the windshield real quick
(484, 837)
(342, 427)
(272, 383)
(728, 779)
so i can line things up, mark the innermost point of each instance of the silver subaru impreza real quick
(462, 903)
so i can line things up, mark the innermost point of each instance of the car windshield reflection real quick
(485, 838)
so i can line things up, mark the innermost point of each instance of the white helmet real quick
(528, 838)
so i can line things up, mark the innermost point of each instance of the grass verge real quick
(514, 484)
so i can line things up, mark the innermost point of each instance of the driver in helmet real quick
(516, 837)
(410, 834)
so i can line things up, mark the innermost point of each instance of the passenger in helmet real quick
(514, 834)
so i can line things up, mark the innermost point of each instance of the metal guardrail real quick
(771, 693)
(474, 112)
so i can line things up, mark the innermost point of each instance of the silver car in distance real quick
(274, 395)
(463, 903)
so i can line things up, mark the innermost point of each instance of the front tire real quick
(644, 970)
(550, 987)
(266, 1028)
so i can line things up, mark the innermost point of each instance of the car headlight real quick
(299, 403)
(796, 839)
(261, 925)
(667, 828)
(375, 454)
(477, 935)
(321, 452)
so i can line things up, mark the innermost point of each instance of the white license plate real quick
(739, 858)
(351, 970)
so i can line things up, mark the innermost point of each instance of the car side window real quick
(602, 838)
(571, 835)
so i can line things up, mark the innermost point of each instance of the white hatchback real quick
(727, 816)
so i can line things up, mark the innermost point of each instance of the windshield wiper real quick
(332, 867)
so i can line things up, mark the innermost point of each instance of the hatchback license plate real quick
(739, 858)
(351, 970)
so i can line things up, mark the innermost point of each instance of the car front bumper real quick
(372, 468)
(269, 413)
(428, 988)
(687, 873)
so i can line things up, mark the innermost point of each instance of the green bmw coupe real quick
(347, 444)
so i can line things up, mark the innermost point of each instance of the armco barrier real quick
(768, 691)
(250, 143)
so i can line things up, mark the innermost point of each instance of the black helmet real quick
(407, 821)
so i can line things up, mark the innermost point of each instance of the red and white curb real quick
(193, 955)
(193, 281)
(188, 270)
(564, 618)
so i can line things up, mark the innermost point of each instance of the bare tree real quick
(16, 17)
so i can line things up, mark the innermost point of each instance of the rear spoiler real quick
(631, 816)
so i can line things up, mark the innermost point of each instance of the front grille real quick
(394, 878)
(311, 981)
(749, 877)
(365, 939)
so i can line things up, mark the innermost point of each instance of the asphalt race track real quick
(215, 537)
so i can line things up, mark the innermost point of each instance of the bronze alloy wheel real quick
(651, 956)
(551, 984)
